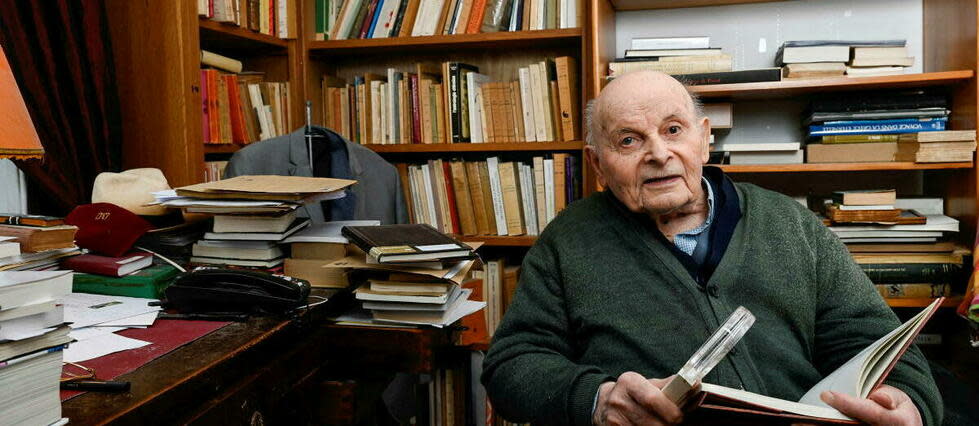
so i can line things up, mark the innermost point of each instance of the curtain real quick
(60, 55)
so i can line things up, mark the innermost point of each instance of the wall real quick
(13, 196)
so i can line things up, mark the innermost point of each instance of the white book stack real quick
(32, 339)
(764, 153)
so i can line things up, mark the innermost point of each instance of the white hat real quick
(131, 190)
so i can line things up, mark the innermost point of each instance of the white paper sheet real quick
(83, 310)
(92, 332)
(95, 347)
(141, 320)
(328, 232)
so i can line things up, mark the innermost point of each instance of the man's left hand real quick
(885, 406)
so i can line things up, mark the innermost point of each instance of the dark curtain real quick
(60, 55)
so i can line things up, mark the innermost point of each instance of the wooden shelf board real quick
(499, 40)
(839, 167)
(224, 148)
(785, 88)
(949, 302)
(501, 241)
(478, 147)
(219, 35)
(676, 4)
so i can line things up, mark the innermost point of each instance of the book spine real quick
(493, 164)
(452, 204)
(915, 121)
(887, 273)
(376, 16)
(882, 128)
(907, 290)
(454, 105)
(399, 19)
(416, 136)
(731, 77)
(834, 139)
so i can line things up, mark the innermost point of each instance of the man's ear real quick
(591, 155)
(705, 131)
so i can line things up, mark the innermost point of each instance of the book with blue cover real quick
(896, 126)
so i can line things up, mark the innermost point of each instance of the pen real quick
(31, 356)
(95, 385)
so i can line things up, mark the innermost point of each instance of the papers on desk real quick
(96, 317)
(100, 345)
(83, 310)
(328, 232)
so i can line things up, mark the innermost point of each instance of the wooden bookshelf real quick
(495, 240)
(478, 147)
(229, 36)
(839, 167)
(787, 88)
(949, 302)
(497, 41)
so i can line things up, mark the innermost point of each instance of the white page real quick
(90, 332)
(328, 232)
(83, 309)
(774, 403)
(95, 347)
(141, 320)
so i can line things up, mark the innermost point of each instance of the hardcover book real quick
(407, 243)
(858, 377)
(110, 266)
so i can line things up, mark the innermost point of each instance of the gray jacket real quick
(378, 187)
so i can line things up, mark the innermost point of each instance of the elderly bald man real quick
(623, 286)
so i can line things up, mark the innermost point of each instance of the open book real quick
(857, 377)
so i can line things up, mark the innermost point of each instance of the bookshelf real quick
(497, 54)
(156, 48)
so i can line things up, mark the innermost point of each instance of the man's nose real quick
(655, 150)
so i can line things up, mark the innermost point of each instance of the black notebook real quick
(406, 243)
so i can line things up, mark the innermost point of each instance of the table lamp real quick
(18, 138)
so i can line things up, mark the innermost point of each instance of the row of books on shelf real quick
(270, 17)
(214, 170)
(454, 103)
(363, 19)
(693, 60)
(241, 108)
(490, 197)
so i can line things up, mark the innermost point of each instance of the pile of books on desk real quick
(253, 214)
(32, 339)
(409, 274)
(31, 242)
(314, 247)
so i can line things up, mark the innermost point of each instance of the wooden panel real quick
(599, 51)
(224, 148)
(478, 147)
(158, 75)
(675, 4)
(497, 40)
(839, 167)
(949, 33)
(787, 88)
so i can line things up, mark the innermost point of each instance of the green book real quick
(148, 283)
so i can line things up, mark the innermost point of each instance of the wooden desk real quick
(264, 370)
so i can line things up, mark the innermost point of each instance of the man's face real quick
(650, 145)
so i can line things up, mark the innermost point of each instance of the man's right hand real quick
(635, 400)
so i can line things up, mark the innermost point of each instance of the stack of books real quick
(32, 339)
(913, 270)
(763, 152)
(876, 205)
(452, 102)
(671, 55)
(253, 214)
(109, 266)
(33, 242)
(491, 197)
(936, 227)
(937, 147)
(410, 274)
(865, 127)
(833, 58)
(317, 245)
(353, 19)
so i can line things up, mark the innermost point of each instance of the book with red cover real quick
(416, 129)
(474, 325)
(450, 194)
(110, 266)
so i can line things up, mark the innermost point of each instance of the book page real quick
(861, 372)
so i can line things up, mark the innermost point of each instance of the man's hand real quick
(885, 406)
(635, 400)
